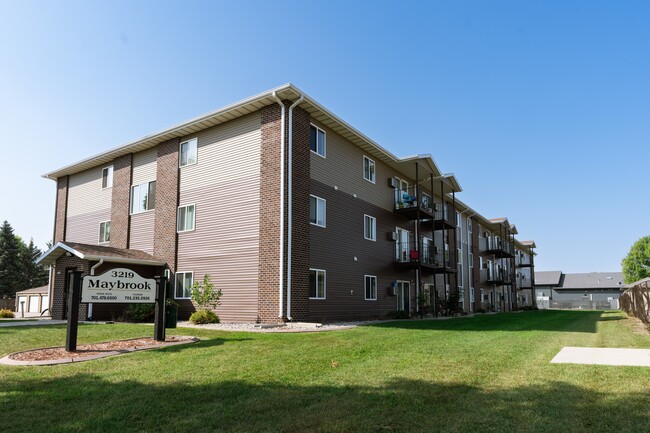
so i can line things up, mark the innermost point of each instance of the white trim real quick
(99, 235)
(324, 283)
(374, 170)
(324, 225)
(178, 209)
(176, 279)
(374, 228)
(180, 153)
(365, 288)
(111, 167)
(324, 155)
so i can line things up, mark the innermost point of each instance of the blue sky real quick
(541, 109)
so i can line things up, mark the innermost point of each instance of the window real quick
(317, 140)
(368, 169)
(143, 197)
(107, 177)
(316, 284)
(188, 152)
(369, 228)
(317, 211)
(370, 285)
(185, 219)
(184, 281)
(104, 231)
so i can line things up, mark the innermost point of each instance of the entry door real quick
(427, 250)
(401, 191)
(403, 289)
(402, 245)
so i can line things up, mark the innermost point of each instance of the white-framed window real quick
(107, 177)
(317, 210)
(185, 218)
(188, 150)
(317, 140)
(316, 284)
(143, 197)
(370, 287)
(368, 169)
(104, 232)
(460, 275)
(183, 285)
(369, 228)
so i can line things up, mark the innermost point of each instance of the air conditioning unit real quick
(392, 236)
(392, 182)
(392, 290)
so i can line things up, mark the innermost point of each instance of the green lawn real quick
(485, 374)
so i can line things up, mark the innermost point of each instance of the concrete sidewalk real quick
(27, 322)
(603, 356)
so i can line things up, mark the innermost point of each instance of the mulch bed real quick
(93, 351)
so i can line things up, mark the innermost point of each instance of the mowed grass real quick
(489, 373)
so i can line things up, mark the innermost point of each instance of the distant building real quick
(592, 290)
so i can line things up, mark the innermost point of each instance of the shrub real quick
(480, 310)
(398, 314)
(6, 314)
(140, 312)
(204, 295)
(203, 316)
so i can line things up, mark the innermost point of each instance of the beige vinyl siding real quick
(224, 186)
(85, 228)
(144, 166)
(343, 167)
(85, 193)
(142, 231)
(224, 152)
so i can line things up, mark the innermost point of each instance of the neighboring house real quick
(32, 302)
(597, 290)
(295, 214)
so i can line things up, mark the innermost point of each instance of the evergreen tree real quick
(33, 275)
(10, 263)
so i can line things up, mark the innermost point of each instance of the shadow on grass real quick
(88, 403)
(546, 320)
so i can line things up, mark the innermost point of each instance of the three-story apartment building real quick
(295, 214)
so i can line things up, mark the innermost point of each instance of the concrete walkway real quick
(27, 322)
(603, 356)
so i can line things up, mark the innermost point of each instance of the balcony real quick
(496, 247)
(524, 283)
(426, 258)
(412, 206)
(498, 276)
(523, 262)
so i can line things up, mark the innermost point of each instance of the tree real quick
(205, 297)
(33, 275)
(636, 265)
(10, 263)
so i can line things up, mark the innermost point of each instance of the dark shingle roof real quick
(593, 280)
(548, 278)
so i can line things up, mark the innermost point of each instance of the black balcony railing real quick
(410, 204)
(425, 255)
(497, 247)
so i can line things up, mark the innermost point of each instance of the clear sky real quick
(540, 108)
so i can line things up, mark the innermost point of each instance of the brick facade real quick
(167, 172)
(301, 227)
(120, 209)
(59, 296)
(269, 248)
(61, 208)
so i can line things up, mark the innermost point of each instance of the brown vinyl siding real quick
(144, 166)
(88, 205)
(224, 186)
(343, 167)
(334, 248)
(142, 231)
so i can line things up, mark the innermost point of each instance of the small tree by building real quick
(636, 265)
(206, 297)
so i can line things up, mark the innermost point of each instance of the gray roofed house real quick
(591, 290)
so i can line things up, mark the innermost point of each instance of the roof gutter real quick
(281, 289)
(290, 202)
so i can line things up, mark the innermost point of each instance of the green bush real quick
(140, 312)
(480, 310)
(398, 314)
(6, 314)
(203, 316)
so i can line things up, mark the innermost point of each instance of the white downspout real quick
(289, 205)
(281, 294)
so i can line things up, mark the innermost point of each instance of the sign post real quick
(73, 312)
(161, 300)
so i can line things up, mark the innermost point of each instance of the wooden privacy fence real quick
(635, 300)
